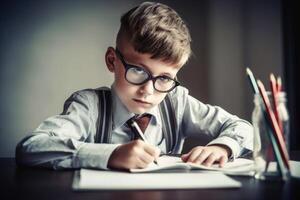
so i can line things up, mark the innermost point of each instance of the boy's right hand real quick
(133, 155)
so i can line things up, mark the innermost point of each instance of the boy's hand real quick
(207, 155)
(135, 154)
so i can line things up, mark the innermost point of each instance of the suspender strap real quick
(104, 124)
(169, 127)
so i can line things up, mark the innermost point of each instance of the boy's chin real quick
(138, 110)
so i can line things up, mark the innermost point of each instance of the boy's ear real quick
(110, 58)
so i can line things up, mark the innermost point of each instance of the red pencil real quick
(274, 92)
(276, 130)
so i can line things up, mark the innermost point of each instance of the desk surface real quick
(34, 183)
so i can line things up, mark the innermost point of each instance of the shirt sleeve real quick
(221, 127)
(67, 140)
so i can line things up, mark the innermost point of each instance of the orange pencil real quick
(277, 132)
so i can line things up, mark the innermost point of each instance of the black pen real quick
(138, 131)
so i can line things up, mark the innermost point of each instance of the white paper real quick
(88, 179)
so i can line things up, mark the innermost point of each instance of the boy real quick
(152, 44)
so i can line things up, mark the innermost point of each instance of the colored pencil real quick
(274, 92)
(252, 81)
(279, 84)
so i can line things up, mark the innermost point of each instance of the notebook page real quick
(88, 179)
(239, 166)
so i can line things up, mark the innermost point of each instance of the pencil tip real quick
(279, 79)
(272, 77)
(248, 70)
(259, 82)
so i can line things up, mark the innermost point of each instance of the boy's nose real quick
(148, 87)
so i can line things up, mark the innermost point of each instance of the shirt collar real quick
(121, 114)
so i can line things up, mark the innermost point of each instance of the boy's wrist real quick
(111, 160)
(230, 143)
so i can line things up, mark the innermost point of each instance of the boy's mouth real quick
(142, 102)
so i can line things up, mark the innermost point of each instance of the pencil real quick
(274, 92)
(141, 135)
(277, 132)
(252, 81)
(279, 84)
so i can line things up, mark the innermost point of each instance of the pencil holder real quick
(265, 154)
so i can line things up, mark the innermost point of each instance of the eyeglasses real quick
(138, 76)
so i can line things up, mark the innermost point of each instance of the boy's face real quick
(137, 98)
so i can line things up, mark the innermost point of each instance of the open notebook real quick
(239, 166)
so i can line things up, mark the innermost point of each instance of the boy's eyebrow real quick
(144, 66)
(163, 73)
(147, 68)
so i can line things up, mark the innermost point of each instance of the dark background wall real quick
(50, 49)
(291, 27)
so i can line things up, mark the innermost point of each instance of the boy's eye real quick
(138, 70)
(164, 79)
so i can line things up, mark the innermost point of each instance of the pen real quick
(140, 134)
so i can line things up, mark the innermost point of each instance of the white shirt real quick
(68, 140)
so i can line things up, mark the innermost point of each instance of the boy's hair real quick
(157, 29)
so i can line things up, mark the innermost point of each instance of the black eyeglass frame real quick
(150, 77)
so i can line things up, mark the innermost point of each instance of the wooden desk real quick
(44, 184)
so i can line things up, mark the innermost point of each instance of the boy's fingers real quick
(210, 159)
(184, 157)
(194, 153)
(199, 158)
(223, 160)
(151, 150)
(146, 158)
(140, 163)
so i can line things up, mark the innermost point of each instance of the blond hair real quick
(157, 29)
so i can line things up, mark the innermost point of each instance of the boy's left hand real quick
(207, 155)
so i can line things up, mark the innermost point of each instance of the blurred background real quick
(50, 49)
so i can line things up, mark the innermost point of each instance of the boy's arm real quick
(67, 140)
(224, 129)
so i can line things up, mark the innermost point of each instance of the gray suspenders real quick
(169, 127)
(104, 123)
